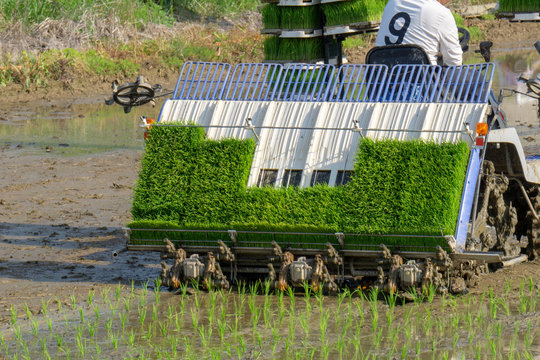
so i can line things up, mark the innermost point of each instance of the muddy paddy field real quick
(69, 164)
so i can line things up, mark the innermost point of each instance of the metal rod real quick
(526, 197)
(311, 128)
(291, 233)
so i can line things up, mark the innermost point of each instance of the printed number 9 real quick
(400, 33)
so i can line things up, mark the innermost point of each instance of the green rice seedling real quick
(49, 324)
(81, 314)
(114, 340)
(59, 340)
(377, 336)
(118, 288)
(13, 313)
(455, 339)
(91, 294)
(389, 318)
(149, 332)
(35, 327)
(301, 17)
(112, 309)
(73, 301)
(81, 345)
(131, 338)
(108, 325)
(97, 311)
(194, 318)
(91, 328)
(123, 316)
(127, 303)
(66, 351)
(354, 11)
(154, 312)
(271, 15)
(28, 312)
(504, 305)
(323, 325)
(98, 350)
(17, 332)
(44, 350)
(418, 347)
(163, 329)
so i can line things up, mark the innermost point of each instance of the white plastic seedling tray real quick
(331, 1)
(526, 17)
(301, 34)
(351, 28)
(293, 34)
(514, 17)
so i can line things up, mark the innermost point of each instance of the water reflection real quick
(75, 129)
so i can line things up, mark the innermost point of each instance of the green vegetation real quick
(517, 6)
(190, 182)
(110, 61)
(258, 322)
(215, 8)
(474, 31)
(354, 11)
(31, 12)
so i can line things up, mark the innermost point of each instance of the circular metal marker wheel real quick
(133, 94)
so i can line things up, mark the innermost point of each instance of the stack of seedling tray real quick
(352, 16)
(519, 10)
(297, 29)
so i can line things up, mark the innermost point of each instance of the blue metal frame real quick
(412, 83)
(202, 81)
(305, 82)
(467, 198)
(466, 84)
(254, 82)
(359, 83)
(352, 83)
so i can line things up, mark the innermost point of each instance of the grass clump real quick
(189, 182)
(213, 8)
(353, 11)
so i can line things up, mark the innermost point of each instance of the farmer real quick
(427, 23)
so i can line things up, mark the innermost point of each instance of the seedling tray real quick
(299, 2)
(520, 17)
(293, 34)
(359, 27)
(301, 34)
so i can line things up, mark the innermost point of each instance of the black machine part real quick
(134, 94)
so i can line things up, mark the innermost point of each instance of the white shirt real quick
(423, 22)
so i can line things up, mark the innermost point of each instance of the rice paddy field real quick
(253, 322)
